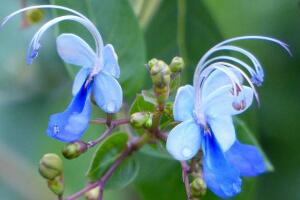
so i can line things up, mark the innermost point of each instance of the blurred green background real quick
(140, 30)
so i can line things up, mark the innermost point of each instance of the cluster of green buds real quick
(161, 75)
(51, 168)
(74, 149)
(141, 120)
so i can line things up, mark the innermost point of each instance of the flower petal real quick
(111, 65)
(246, 158)
(218, 79)
(69, 125)
(223, 102)
(184, 103)
(224, 131)
(74, 50)
(108, 93)
(79, 80)
(220, 177)
(184, 140)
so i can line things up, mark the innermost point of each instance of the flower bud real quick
(161, 78)
(160, 74)
(152, 62)
(141, 119)
(74, 149)
(177, 64)
(56, 185)
(198, 187)
(93, 194)
(34, 16)
(50, 166)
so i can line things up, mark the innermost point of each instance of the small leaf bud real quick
(74, 149)
(56, 185)
(50, 166)
(92, 194)
(141, 119)
(198, 187)
(152, 62)
(34, 16)
(177, 64)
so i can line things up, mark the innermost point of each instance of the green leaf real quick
(141, 105)
(185, 28)
(125, 174)
(149, 96)
(107, 152)
(245, 135)
(118, 26)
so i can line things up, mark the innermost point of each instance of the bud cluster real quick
(162, 75)
(141, 120)
(51, 168)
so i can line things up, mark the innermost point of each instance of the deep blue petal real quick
(80, 79)
(69, 125)
(220, 176)
(246, 158)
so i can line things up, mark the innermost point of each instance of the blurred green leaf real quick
(118, 25)
(246, 136)
(185, 27)
(107, 152)
(125, 174)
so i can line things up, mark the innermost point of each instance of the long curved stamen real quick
(200, 65)
(34, 45)
(244, 75)
(199, 113)
(232, 59)
(80, 18)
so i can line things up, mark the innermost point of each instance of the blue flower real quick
(206, 111)
(97, 76)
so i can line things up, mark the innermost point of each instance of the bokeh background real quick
(140, 30)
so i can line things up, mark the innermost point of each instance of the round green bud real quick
(152, 62)
(50, 166)
(93, 194)
(34, 16)
(56, 186)
(74, 149)
(141, 119)
(177, 64)
(198, 187)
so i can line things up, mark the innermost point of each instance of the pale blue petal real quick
(184, 103)
(111, 65)
(79, 80)
(69, 125)
(217, 79)
(220, 177)
(74, 50)
(224, 131)
(222, 100)
(108, 93)
(184, 140)
(246, 158)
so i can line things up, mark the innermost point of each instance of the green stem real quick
(181, 33)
